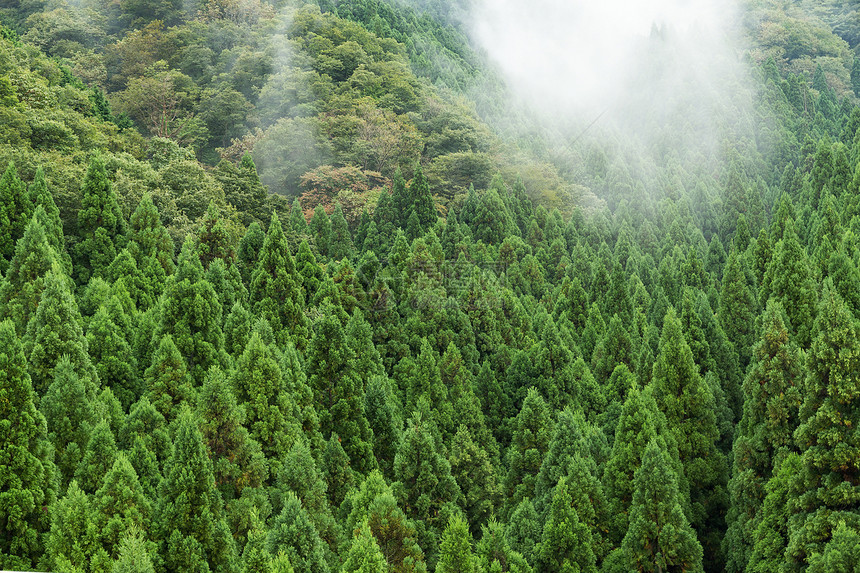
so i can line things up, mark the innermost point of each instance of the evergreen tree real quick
(189, 525)
(827, 440)
(312, 274)
(421, 199)
(530, 441)
(49, 216)
(276, 291)
(27, 474)
(659, 537)
(55, 330)
(771, 403)
(688, 404)
(167, 380)
(298, 222)
(26, 276)
(192, 314)
(112, 357)
(566, 542)
(133, 556)
(16, 209)
(73, 541)
(338, 391)
(150, 240)
(455, 550)
(770, 537)
(381, 413)
(101, 225)
(737, 307)
(364, 555)
(120, 506)
(340, 241)
(294, 533)
(476, 476)
(259, 386)
(320, 229)
(249, 250)
(70, 415)
(494, 554)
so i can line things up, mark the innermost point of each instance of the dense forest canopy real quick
(319, 286)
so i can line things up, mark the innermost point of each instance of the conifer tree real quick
(789, 279)
(338, 391)
(237, 459)
(320, 230)
(249, 250)
(55, 330)
(120, 506)
(529, 444)
(494, 554)
(149, 238)
(25, 280)
(213, 238)
(770, 537)
(133, 556)
(312, 274)
(70, 415)
(101, 225)
(688, 404)
(112, 357)
(48, 216)
(167, 380)
(298, 222)
(829, 457)
(294, 533)
(27, 474)
(276, 290)
(99, 456)
(188, 517)
(192, 314)
(260, 388)
(340, 241)
(737, 307)
(381, 413)
(659, 537)
(16, 209)
(364, 555)
(476, 476)
(455, 550)
(237, 329)
(73, 541)
(771, 402)
(566, 542)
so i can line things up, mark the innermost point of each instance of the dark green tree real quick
(276, 290)
(101, 226)
(660, 537)
(530, 440)
(167, 381)
(16, 209)
(28, 482)
(340, 241)
(293, 532)
(190, 529)
(320, 229)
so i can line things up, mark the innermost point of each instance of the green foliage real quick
(27, 473)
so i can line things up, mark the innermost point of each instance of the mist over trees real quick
(322, 286)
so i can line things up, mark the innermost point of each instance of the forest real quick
(302, 287)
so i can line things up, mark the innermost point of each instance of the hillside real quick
(316, 287)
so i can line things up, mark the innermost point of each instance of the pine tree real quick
(530, 441)
(167, 380)
(249, 250)
(659, 537)
(770, 537)
(100, 223)
(298, 222)
(566, 542)
(688, 404)
(189, 525)
(312, 274)
(26, 276)
(55, 330)
(192, 314)
(255, 558)
(16, 209)
(276, 291)
(338, 391)
(364, 555)
(213, 238)
(133, 556)
(494, 554)
(771, 403)
(381, 413)
(826, 436)
(294, 533)
(27, 473)
(455, 550)
(73, 541)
